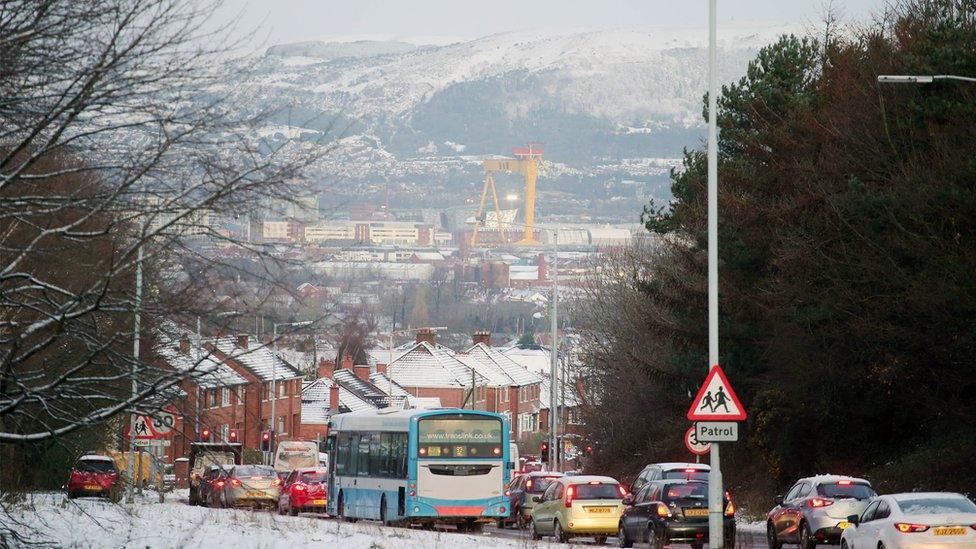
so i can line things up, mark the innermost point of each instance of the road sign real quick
(163, 422)
(716, 401)
(717, 431)
(144, 428)
(153, 442)
(694, 445)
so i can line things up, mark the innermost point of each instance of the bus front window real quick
(456, 437)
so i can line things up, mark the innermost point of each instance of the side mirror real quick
(628, 500)
(778, 500)
(537, 499)
(854, 519)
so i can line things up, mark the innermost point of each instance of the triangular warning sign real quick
(144, 428)
(716, 401)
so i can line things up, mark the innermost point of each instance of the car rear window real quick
(678, 474)
(537, 485)
(674, 492)
(254, 471)
(837, 490)
(603, 490)
(932, 506)
(314, 476)
(96, 466)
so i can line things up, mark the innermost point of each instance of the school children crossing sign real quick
(716, 401)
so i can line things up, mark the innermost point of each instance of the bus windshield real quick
(459, 436)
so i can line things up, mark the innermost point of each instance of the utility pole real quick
(715, 510)
(554, 350)
(130, 496)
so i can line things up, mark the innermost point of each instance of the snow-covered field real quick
(174, 524)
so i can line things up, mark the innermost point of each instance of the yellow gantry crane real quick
(526, 162)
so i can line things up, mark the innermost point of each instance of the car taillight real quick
(570, 493)
(819, 502)
(220, 484)
(973, 526)
(690, 470)
(663, 511)
(508, 493)
(622, 490)
(845, 482)
(528, 484)
(276, 482)
(730, 510)
(299, 487)
(235, 482)
(908, 528)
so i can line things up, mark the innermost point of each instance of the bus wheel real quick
(342, 508)
(384, 518)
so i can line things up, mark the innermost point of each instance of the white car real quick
(922, 520)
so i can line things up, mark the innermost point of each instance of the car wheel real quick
(806, 539)
(771, 539)
(558, 533)
(622, 539)
(600, 540)
(293, 511)
(534, 532)
(697, 544)
(520, 519)
(843, 544)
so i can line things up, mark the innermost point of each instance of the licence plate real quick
(950, 531)
(92, 487)
(318, 502)
(696, 512)
(598, 509)
(843, 525)
(255, 494)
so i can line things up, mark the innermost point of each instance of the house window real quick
(265, 391)
(214, 398)
(225, 397)
(224, 432)
(281, 425)
(282, 389)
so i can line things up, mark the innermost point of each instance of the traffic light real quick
(266, 441)
(205, 435)
(544, 452)
(232, 435)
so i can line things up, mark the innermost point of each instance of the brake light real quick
(908, 528)
(220, 484)
(622, 490)
(845, 482)
(690, 470)
(819, 502)
(594, 482)
(497, 451)
(528, 484)
(973, 526)
(730, 510)
(570, 493)
(662, 510)
(299, 487)
(235, 482)
(423, 451)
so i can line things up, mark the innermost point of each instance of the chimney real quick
(242, 341)
(334, 398)
(185, 345)
(482, 336)
(541, 262)
(381, 368)
(427, 334)
(346, 363)
(326, 368)
(362, 371)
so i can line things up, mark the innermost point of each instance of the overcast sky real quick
(439, 21)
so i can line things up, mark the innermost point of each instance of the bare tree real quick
(119, 155)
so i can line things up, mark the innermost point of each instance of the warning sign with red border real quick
(716, 401)
(144, 428)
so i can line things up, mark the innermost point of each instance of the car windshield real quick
(600, 490)
(842, 490)
(313, 476)
(934, 506)
(537, 485)
(693, 490)
(686, 474)
(254, 471)
(97, 466)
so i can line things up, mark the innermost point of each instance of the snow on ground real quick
(96, 523)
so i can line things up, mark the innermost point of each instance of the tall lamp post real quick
(274, 378)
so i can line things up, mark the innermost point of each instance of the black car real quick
(671, 511)
(520, 492)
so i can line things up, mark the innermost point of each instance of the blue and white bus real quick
(419, 466)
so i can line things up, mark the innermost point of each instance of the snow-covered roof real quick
(822, 479)
(427, 365)
(205, 370)
(492, 359)
(257, 358)
(316, 401)
(348, 380)
(534, 358)
(380, 380)
(428, 256)
(95, 457)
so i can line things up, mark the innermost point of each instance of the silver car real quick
(251, 486)
(816, 510)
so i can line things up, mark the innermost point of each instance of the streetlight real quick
(274, 374)
(389, 364)
(920, 78)
(553, 326)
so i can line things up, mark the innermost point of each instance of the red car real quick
(304, 490)
(93, 475)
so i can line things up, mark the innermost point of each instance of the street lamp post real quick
(274, 377)
(130, 496)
